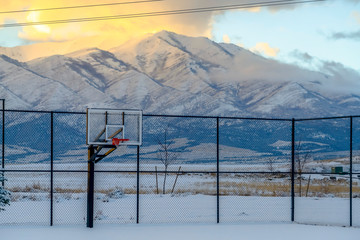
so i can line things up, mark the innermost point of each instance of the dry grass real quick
(265, 188)
(69, 190)
(241, 185)
(124, 190)
(328, 188)
(36, 187)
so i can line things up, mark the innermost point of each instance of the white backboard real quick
(102, 125)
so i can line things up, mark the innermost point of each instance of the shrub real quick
(4, 194)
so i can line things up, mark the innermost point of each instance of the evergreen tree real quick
(4, 194)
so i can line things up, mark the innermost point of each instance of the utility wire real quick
(164, 13)
(80, 6)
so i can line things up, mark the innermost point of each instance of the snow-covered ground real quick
(252, 206)
(248, 231)
(185, 208)
(244, 197)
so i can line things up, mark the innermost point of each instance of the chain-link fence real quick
(189, 169)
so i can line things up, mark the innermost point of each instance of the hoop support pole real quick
(90, 188)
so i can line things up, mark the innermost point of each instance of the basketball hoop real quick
(103, 126)
(117, 141)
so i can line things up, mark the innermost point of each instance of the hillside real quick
(167, 73)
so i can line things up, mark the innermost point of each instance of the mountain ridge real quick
(167, 73)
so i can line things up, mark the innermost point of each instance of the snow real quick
(189, 213)
(70, 208)
(167, 73)
(247, 231)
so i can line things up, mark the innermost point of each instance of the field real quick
(190, 196)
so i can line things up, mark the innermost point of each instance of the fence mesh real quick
(115, 197)
(322, 151)
(28, 140)
(178, 141)
(188, 170)
(356, 172)
(176, 157)
(69, 141)
(255, 156)
(69, 198)
(30, 198)
(1, 132)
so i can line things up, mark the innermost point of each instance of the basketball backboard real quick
(104, 125)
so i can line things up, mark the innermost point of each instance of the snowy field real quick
(248, 231)
(243, 197)
(252, 206)
(181, 209)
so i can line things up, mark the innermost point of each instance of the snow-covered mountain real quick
(167, 73)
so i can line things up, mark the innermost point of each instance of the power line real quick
(164, 13)
(80, 6)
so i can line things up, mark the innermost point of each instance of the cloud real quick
(198, 24)
(121, 29)
(345, 35)
(342, 76)
(346, 78)
(118, 30)
(226, 38)
(264, 48)
(303, 56)
(254, 9)
(355, 35)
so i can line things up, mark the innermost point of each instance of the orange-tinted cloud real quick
(120, 29)
(198, 24)
(264, 48)
(226, 39)
(117, 30)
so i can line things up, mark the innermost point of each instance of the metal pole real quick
(137, 184)
(293, 170)
(52, 169)
(217, 171)
(3, 139)
(351, 169)
(90, 190)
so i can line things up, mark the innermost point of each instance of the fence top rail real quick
(215, 117)
(196, 116)
(41, 111)
(326, 118)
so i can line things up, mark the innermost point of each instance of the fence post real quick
(293, 170)
(51, 168)
(351, 169)
(217, 171)
(90, 190)
(137, 184)
(3, 140)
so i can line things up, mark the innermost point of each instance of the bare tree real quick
(270, 161)
(302, 157)
(166, 153)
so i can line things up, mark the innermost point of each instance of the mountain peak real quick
(164, 33)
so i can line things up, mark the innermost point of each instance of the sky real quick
(312, 35)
